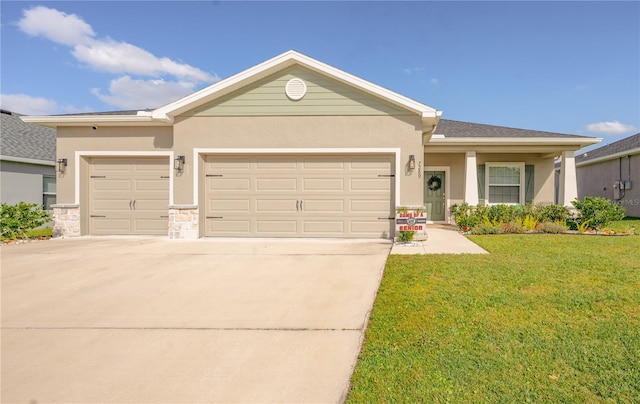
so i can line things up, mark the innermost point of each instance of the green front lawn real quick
(543, 318)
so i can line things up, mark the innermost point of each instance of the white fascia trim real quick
(275, 64)
(609, 157)
(105, 120)
(197, 152)
(80, 154)
(28, 161)
(437, 140)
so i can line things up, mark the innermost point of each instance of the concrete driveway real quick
(148, 320)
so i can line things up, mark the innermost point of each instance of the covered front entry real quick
(299, 195)
(128, 195)
(434, 195)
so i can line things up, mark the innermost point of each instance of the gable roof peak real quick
(281, 62)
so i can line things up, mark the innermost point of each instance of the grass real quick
(628, 225)
(543, 318)
(36, 233)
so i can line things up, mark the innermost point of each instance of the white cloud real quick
(434, 81)
(59, 27)
(108, 55)
(128, 93)
(28, 105)
(610, 128)
(121, 57)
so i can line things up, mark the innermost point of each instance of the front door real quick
(434, 196)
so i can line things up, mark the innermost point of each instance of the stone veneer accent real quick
(66, 220)
(183, 222)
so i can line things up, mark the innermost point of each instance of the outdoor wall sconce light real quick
(178, 164)
(62, 165)
(412, 162)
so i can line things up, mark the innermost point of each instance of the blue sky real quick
(569, 67)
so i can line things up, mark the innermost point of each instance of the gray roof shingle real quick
(621, 146)
(25, 140)
(458, 129)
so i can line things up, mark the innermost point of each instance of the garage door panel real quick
(228, 164)
(128, 195)
(370, 164)
(370, 184)
(104, 226)
(275, 163)
(300, 196)
(111, 203)
(327, 227)
(276, 205)
(229, 205)
(324, 164)
(228, 184)
(276, 184)
(156, 184)
(324, 205)
(239, 227)
(323, 184)
(279, 227)
(370, 205)
(111, 185)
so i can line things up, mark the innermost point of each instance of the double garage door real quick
(128, 196)
(299, 196)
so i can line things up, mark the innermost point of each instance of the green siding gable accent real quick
(324, 96)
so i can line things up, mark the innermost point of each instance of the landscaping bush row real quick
(593, 213)
(20, 221)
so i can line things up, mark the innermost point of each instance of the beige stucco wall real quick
(597, 180)
(246, 132)
(301, 132)
(104, 139)
(543, 171)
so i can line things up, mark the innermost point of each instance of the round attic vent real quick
(295, 89)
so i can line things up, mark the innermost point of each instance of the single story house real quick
(612, 172)
(291, 147)
(27, 162)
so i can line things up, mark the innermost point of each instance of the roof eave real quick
(613, 156)
(278, 63)
(505, 141)
(102, 120)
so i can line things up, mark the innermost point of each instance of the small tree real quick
(19, 218)
(595, 212)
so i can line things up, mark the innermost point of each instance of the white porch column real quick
(471, 179)
(568, 189)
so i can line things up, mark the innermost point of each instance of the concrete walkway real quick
(148, 320)
(440, 240)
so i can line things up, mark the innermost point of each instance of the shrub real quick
(551, 213)
(595, 212)
(19, 218)
(485, 228)
(513, 228)
(405, 236)
(551, 227)
(464, 215)
(530, 222)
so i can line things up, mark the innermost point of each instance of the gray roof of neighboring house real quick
(627, 144)
(467, 129)
(25, 140)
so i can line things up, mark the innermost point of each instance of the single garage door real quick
(299, 196)
(128, 196)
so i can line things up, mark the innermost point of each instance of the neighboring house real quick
(27, 161)
(292, 148)
(612, 172)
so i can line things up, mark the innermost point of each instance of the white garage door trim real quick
(81, 154)
(198, 152)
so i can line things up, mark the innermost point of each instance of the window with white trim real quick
(48, 191)
(504, 183)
